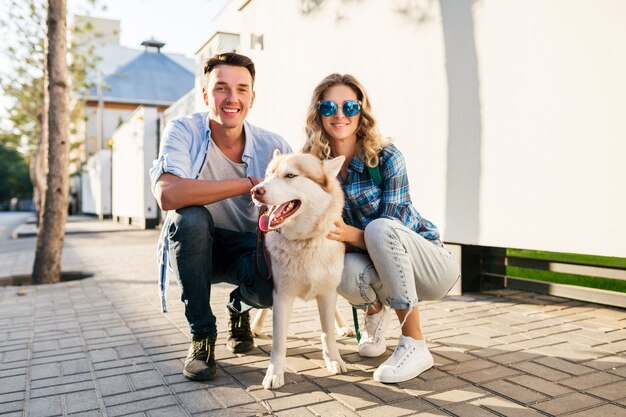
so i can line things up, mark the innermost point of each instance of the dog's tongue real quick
(264, 222)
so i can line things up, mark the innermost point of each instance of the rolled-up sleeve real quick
(174, 156)
(396, 199)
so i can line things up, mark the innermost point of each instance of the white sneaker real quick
(372, 342)
(410, 359)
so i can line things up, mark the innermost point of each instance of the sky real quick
(184, 25)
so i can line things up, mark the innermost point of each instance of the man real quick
(207, 164)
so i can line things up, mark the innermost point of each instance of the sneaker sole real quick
(195, 377)
(240, 350)
(373, 356)
(396, 379)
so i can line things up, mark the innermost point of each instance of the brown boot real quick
(239, 338)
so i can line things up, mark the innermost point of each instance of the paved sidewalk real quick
(101, 347)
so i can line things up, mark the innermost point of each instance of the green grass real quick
(594, 260)
(569, 279)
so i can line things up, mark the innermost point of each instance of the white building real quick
(510, 113)
(125, 79)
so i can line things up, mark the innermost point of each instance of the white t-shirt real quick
(236, 213)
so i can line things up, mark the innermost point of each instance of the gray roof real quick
(150, 78)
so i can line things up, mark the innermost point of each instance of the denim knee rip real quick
(362, 286)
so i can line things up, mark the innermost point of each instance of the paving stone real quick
(92, 413)
(146, 379)
(61, 357)
(513, 391)
(607, 410)
(467, 366)
(353, 397)
(114, 385)
(505, 407)
(79, 402)
(615, 347)
(305, 399)
(102, 355)
(469, 410)
(618, 371)
(587, 381)
(62, 380)
(388, 393)
(13, 396)
(540, 385)
(61, 389)
(75, 367)
(129, 351)
(136, 354)
(563, 365)
(323, 379)
(167, 411)
(540, 371)
(396, 409)
(233, 395)
(15, 356)
(141, 405)
(305, 412)
(11, 407)
(198, 401)
(607, 362)
(566, 404)
(48, 370)
(417, 387)
(489, 374)
(12, 384)
(42, 346)
(431, 413)
(613, 391)
(45, 407)
(453, 396)
(514, 357)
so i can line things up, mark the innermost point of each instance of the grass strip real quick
(568, 279)
(593, 260)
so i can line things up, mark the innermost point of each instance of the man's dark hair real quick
(229, 58)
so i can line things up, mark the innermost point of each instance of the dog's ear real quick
(276, 153)
(331, 167)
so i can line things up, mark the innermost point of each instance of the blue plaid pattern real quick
(365, 201)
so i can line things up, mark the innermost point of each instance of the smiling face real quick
(340, 127)
(229, 95)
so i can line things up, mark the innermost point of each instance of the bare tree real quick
(47, 267)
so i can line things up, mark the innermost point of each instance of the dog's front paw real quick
(345, 331)
(257, 331)
(273, 378)
(336, 365)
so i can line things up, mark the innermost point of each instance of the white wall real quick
(96, 184)
(510, 113)
(134, 149)
(111, 120)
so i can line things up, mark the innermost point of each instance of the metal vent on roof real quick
(153, 43)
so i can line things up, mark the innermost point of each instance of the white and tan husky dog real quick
(304, 199)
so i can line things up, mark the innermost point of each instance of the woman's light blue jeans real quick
(399, 269)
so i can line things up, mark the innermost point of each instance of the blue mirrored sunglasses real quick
(328, 108)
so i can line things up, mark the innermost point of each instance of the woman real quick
(394, 256)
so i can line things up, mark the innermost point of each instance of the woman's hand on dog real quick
(347, 234)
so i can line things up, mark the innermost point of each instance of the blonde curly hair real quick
(369, 140)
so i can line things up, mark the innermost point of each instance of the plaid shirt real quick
(366, 201)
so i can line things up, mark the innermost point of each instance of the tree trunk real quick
(47, 267)
(39, 160)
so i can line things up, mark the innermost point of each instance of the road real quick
(11, 219)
